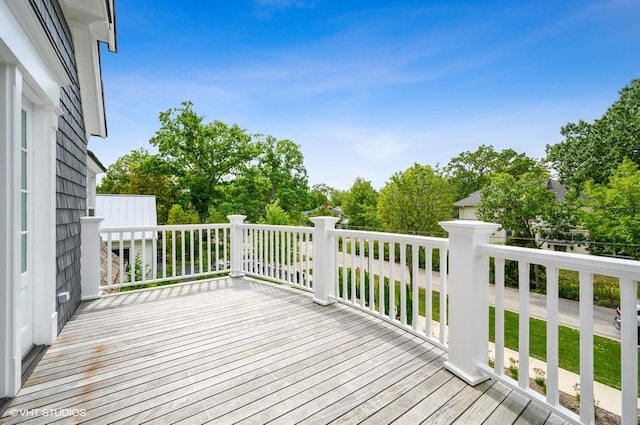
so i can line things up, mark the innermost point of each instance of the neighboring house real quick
(468, 207)
(51, 102)
(130, 211)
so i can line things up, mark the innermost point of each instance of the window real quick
(24, 195)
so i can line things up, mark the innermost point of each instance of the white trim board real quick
(25, 71)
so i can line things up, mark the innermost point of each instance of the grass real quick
(606, 351)
(607, 364)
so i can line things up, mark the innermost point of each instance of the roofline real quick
(96, 160)
(113, 34)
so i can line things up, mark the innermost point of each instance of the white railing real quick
(282, 254)
(627, 272)
(435, 288)
(160, 254)
(394, 277)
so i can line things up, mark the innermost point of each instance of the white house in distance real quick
(468, 206)
(129, 211)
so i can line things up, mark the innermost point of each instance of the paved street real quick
(568, 310)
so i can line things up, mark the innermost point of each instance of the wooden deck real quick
(240, 351)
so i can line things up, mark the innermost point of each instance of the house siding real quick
(52, 20)
(71, 162)
(71, 195)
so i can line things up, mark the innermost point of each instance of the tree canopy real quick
(360, 204)
(612, 213)
(592, 151)
(519, 205)
(141, 173)
(213, 169)
(471, 171)
(202, 155)
(415, 200)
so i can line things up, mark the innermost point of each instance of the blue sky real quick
(368, 87)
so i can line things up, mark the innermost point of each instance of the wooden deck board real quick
(509, 410)
(203, 369)
(349, 396)
(444, 405)
(330, 391)
(338, 369)
(532, 415)
(487, 402)
(170, 342)
(375, 405)
(228, 351)
(249, 371)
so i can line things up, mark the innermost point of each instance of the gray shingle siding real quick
(52, 19)
(71, 194)
(71, 162)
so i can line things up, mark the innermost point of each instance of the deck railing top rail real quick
(278, 228)
(581, 262)
(164, 227)
(396, 237)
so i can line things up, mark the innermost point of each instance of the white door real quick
(25, 290)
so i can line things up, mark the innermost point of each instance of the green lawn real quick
(606, 351)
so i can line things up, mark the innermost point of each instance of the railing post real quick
(90, 257)
(468, 298)
(324, 259)
(236, 245)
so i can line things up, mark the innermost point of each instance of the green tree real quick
(247, 195)
(276, 174)
(592, 151)
(612, 212)
(527, 207)
(521, 205)
(202, 155)
(321, 195)
(282, 166)
(337, 197)
(140, 173)
(415, 200)
(275, 215)
(178, 215)
(471, 171)
(360, 204)
(215, 216)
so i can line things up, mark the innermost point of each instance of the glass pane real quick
(24, 254)
(23, 212)
(24, 129)
(23, 171)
